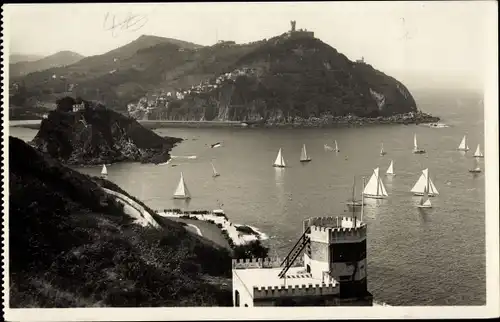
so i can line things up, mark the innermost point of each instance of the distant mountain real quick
(16, 58)
(62, 58)
(290, 75)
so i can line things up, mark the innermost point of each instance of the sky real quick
(445, 40)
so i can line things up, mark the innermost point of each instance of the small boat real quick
(390, 170)
(353, 203)
(279, 162)
(424, 183)
(416, 149)
(336, 147)
(425, 202)
(375, 188)
(182, 191)
(215, 174)
(327, 147)
(463, 145)
(438, 125)
(216, 145)
(104, 171)
(476, 168)
(478, 153)
(382, 152)
(303, 155)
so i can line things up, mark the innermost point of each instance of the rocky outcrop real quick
(89, 133)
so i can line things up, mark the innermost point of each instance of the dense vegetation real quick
(71, 246)
(97, 135)
(294, 77)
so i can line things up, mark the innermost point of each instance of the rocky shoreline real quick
(350, 121)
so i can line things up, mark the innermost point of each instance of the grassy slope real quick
(70, 247)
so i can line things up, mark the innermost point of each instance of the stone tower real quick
(337, 248)
(293, 25)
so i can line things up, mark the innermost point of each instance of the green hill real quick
(70, 245)
(287, 76)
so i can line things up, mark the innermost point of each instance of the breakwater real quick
(233, 232)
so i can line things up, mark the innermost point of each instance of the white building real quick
(333, 270)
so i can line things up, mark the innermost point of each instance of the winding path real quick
(141, 213)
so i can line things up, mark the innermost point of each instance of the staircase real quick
(294, 253)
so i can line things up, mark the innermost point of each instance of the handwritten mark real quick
(131, 23)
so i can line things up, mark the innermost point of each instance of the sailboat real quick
(463, 145)
(425, 202)
(476, 168)
(215, 174)
(279, 162)
(336, 147)
(104, 171)
(375, 188)
(353, 202)
(182, 191)
(424, 183)
(327, 147)
(382, 152)
(416, 149)
(478, 153)
(390, 170)
(303, 155)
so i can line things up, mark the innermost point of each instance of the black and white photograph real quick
(160, 157)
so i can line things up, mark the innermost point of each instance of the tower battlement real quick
(326, 229)
(245, 263)
(296, 290)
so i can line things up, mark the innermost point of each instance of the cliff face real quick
(286, 78)
(70, 245)
(97, 135)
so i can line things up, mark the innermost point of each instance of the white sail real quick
(279, 162)
(390, 170)
(182, 191)
(303, 153)
(463, 145)
(375, 187)
(104, 170)
(215, 171)
(425, 202)
(381, 189)
(336, 146)
(476, 167)
(478, 153)
(424, 183)
(420, 184)
(415, 145)
(382, 152)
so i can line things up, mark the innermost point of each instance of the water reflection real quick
(373, 207)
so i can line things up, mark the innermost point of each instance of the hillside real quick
(72, 246)
(97, 135)
(274, 80)
(60, 59)
(16, 58)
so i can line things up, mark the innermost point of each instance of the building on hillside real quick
(301, 33)
(333, 272)
(78, 107)
(361, 61)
